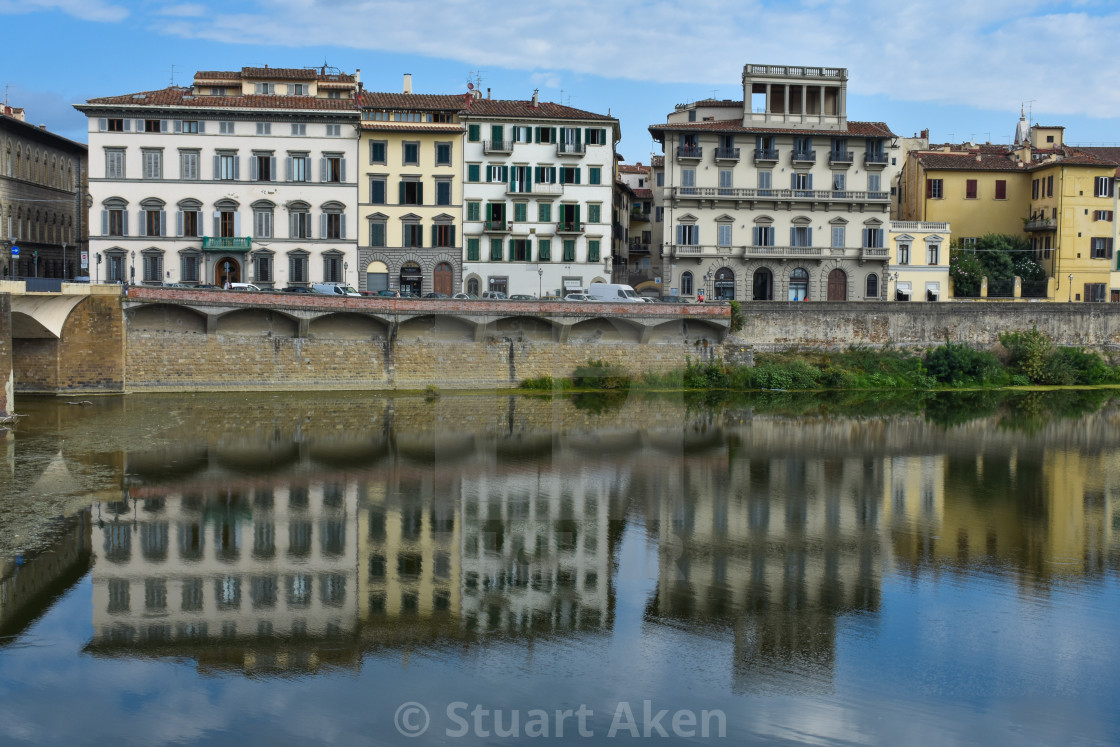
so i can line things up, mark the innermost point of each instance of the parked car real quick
(616, 292)
(297, 289)
(408, 294)
(334, 289)
(465, 297)
(579, 297)
(494, 296)
(433, 294)
(243, 287)
(387, 294)
(522, 297)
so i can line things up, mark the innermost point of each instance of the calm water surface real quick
(346, 569)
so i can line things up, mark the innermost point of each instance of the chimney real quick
(408, 82)
(487, 93)
(358, 76)
(536, 103)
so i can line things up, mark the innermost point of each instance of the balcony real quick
(569, 226)
(783, 252)
(804, 156)
(636, 247)
(875, 159)
(918, 225)
(765, 155)
(640, 216)
(497, 226)
(727, 154)
(226, 243)
(497, 146)
(689, 152)
(836, 158)
(1041, 224)
(876, 252)
(752, 193)
(570, 149)
(522, 188)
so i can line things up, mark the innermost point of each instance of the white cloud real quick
(993, 54)
(184, 10)
(86, 10)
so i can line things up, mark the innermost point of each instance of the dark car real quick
(408, 294)
(522, 297)
(297, 289)
(436, 295)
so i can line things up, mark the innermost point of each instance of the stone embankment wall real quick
(6, 383)
(88, 357)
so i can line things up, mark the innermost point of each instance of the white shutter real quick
(102, 125)
(272, 168)
(128, 125)
(201, 127)
(237, 168)
(162, 223)
(217, 224)
(124, 222)
(139, 125)
(178, 125)
(163, 125)
(322, 169)
(104, 223)
(237, 224)
(323, 226)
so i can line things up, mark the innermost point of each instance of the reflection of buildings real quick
(256, 580)
(28, 589)
(777, 547)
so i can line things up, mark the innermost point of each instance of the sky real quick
(961, 68)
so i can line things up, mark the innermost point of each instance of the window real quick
(1100, 248)
(763, 236)
(226, 166)
(723, 235)
(411, 192)
(1095, 292)
(377, 151)
(333, 168)
(413, 236)
(1034, 189)
(225, 128)
(153, 267)
(227, 223)
(1001, 189)
(114, 125)
(544, 250)
(152, 125)
(189, 126)
(299, 129)
(544, 212)
(188, 268)
(1049, 186)
(443, 154)
(262, 268)
(688, 181)
(264, 128)
(262, 222)
(970, 189)
(153, 163)
(188, 218)
(1102, 186)
(333, 223)
(472, 250)
(764, 183)
(411, 154)
(188, 164)
(443, 235)
(334, 130)
(299, 167)
(153, 217)
(474, 211)
(297, 267)
(495, 250)
(802, 184)
(658, 214)
(569, 250)
(872, 288)
(839, 179)
(377, 190)
(801, 236)
(332, 268)
(933, 254)
(114, 219)
(263, 167)
(299, 223)
(838, 237)
(496, 173)
(725, 181)
(688, 234)
(686, 284)
(802, 146)
(935, 189)
(443, 191)
(874, 182)
(114, 163)
(520, 212)
(593, 250)
(519, 250)
(297, 89)
(594, 175)
(265, 89)
(594, 213)
(474, 133)
(1102, 215)
(377, 233)
(569, 175)
(661, 178)
(873, 238)
(474, 172)
(904, 254)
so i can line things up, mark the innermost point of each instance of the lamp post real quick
(1070, 299)
(132, 269)
(97, 270)
(894, 277)
(540, 282)
(345, 272)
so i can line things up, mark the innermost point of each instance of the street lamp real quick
(894, 277)
(132, 269)
(708, 283)
(1070, 287)
(540, 282)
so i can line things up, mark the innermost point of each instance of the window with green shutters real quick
(474, 172)
(473, 133)
(544, 212)
(544, 250)
(569, 250)
(520, 212)
(495, 250)
(594, 175)
(496, 133)
(472, 250)
(593, 250)
(474, 211)
(593, 213)
(595, 136)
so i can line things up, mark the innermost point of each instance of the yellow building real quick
(410, 196)
(919, 264)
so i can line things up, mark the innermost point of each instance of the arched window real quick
(725, 284)
(686, 284)
(763, 285)
(872, 286)
(799, 284)
(472, 287)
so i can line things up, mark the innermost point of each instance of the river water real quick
(355, 569)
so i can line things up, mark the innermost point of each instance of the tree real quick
(1000, 258)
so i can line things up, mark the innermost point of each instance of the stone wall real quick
(6, 389)
(88, 358)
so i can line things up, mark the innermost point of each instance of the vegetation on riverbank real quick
(1022, 358)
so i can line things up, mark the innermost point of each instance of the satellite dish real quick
(470, 86)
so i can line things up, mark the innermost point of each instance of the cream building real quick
(919, 265)
(244, 176)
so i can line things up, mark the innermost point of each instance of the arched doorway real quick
(472, 287)
(872, 286)
(837, 285)
(227, 270)
(377, 277)
(411, 279)
(799, 285)
(725, 284)
(442, 278)
(763, 285)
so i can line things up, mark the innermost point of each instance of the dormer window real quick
(297, 89)
(265, 89)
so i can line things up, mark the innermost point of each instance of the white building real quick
(245, 176)
(537, 196)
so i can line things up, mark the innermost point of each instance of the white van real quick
(615, 292)
(243, 287)
(334, 289)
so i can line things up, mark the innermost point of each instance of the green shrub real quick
(1029, 354)
(957, 364)
(600, 375)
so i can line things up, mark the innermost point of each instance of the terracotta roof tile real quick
(964, 161)
(414, 101)
(855, 129)
(630, 168)
(727, 103)
(182, 97)
(643, 192)
(526, 110)
(412, 127)
(274, 73)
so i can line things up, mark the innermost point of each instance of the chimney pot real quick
(408, 82)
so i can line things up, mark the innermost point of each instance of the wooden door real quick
(837, 286)
(442, 278)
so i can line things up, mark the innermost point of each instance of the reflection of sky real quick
(955, 660)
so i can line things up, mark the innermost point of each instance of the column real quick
(804, 100)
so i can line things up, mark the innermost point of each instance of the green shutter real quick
(473, 211)
(452, 236)
(553, 132)
(592, 213)
(512, 254)
(400, 196)
(577, 207)
(495, 134)
(577, 169)
(472, 172)
(594, 175)
(537, 134)
(544, 250)
(603, 136)
(435, 235)
(473, 133)
(472, 250)
(552, 173)
(495, 250)
(420, 193)
(593, 250)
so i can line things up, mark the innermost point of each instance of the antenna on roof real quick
(173, 74)
(1030, 109)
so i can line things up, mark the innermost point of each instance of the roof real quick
(412, 127)
(984, 159)
(1107, 154)
(274, 73)
(33, 131)
(179, 96)
(729, 103)
(855, 129)
(413, 101)
(643, 192)
(632, 168)
(525, 110)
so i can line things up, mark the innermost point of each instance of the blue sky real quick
(958, 67)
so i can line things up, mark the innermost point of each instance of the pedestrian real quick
(700, 297)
